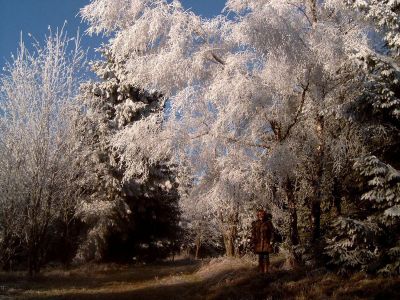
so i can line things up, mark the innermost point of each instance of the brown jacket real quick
(261, 236)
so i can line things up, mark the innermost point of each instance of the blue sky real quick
(34, 16)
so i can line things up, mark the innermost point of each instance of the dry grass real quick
(220, 278)
(303, 284)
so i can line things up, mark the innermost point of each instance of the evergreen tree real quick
(367, 235)
(130, 195)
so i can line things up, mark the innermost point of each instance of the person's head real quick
(261, 214)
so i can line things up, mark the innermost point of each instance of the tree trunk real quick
(292, 259)
(229, 244)
(316, 202)
(316, 219)
(229, 232)
(6, 252)
(313, 10)
(198, 245)
(67, 246)
(293, 228)
(32, 263)
(337, 197)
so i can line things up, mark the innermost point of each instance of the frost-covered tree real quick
(154, 145)
(127, 186)
(305, 47)
(238, 88)
(368, 238)
(38, 90)
(385, 14)
(266, 99)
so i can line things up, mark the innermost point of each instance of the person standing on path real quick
(262, 231)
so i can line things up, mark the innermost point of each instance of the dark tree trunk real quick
(320, 161)
(6, 252)
(292, 259)
(32, 262)
(65, 257)
(198, 245)
(337, 197)
(316, 219)
(294, 232)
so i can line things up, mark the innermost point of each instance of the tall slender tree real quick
(38, 93)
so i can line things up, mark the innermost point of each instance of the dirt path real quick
(220, 278)
(183, 279)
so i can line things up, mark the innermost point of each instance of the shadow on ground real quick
(301, 284)
(175, 291)
(218, 279)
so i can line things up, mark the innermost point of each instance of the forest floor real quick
(220, 278)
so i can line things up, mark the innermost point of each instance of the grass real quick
(220, 278)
